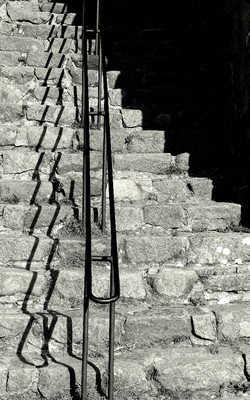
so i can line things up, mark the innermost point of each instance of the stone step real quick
(143, 191)
(46, 95)
(176, 368)
(51, 218)
(40, 31)
(45, 165)
(25, 333)
(69, 116)
(35, 76)
(54, 45)
(37, 58)
(15, 11)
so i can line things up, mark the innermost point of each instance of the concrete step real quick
(61, 375)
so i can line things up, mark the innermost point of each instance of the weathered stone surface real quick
(115, 97)
(66, 19)
(144, 163)
(73, 162)
(36, 58)
(145, 249)
(20, 44)
(11, 59)
(17, 75)
(233, 322)
(204, 324)
(57, 115)
(146, 142)
(18, 12)
(113, 79)
(177, 370)
(7, 135)
(11, 114)
(49, 216)
(49, 137)
(219, 248)
(126, 189)
(181, 190)
(24, 248)
(166, 325)
(69, 286)
(174, 283)
(14, 282)
(24, 161)
(128, 218)
(131, 118)
(205, 216)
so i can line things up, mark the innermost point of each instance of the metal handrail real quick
(107, 177)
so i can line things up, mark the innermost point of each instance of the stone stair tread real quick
(40, 31)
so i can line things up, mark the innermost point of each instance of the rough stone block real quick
(36, 58)
(158, 326)
(49, 137)
(58, 115)
(14, 282)
(24, 161)
(24, 248)
(116, 97)
(220, 248)
(205, 216)
(177, 370)
(146, 142)
(145, 249)
(131, 118)
(17, 75)
(128, 218)
(11, 114)
(126, 189)
(27, 191)
(179, 190)
(233, 322)
(143, 163)
(20, 44)
(204, 325)
(113, 79)
(174, 283)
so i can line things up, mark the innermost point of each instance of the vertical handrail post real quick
(86, 207)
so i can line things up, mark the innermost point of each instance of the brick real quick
(174, 283)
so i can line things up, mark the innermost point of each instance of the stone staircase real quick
(182, 324)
